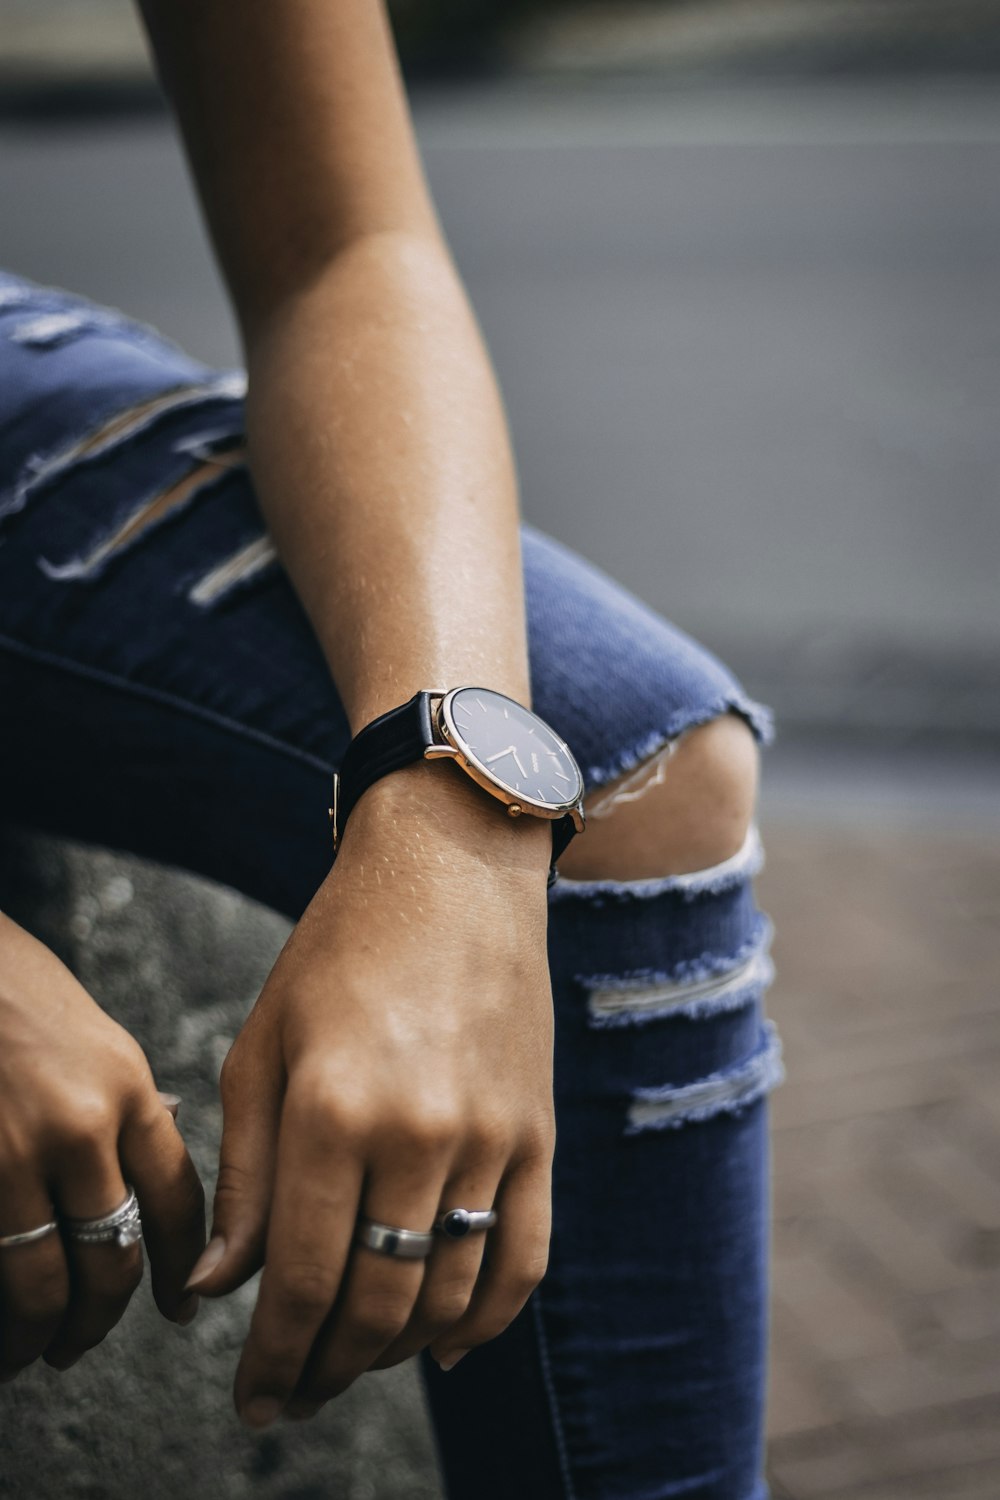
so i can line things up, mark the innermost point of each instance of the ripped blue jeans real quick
(146, 623)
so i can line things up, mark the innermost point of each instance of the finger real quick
(451, 1271)
(251, 1112)
(102, 1276)
(317, 1188)
(34, 1280)
(379, 1293)
(171, 1103)
(516, 1255)
(171, 1201)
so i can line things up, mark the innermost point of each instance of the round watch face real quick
(514, 747)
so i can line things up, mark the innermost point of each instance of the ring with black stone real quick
(456, 1223)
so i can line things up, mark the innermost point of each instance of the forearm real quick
(381, 457)
(377, 438)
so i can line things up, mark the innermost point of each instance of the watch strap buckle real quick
(335, 801)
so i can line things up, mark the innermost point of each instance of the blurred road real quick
(745, 338)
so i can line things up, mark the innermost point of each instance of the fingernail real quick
(449, 1361)
(261, 1411)
(206, 1262)
(187, 1311)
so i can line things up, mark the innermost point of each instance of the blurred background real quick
(736, 262)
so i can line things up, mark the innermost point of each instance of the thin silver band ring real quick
(27, 1236)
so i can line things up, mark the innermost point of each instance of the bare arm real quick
(377, 436)
(399, 1059)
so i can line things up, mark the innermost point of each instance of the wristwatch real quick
(505, 748)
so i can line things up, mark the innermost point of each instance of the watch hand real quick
(499, 755)
(518, 762)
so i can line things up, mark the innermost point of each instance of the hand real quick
(398, 1062)
(80, 1116)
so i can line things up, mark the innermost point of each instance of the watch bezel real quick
(481, 774)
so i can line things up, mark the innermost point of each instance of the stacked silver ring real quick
(122, 1227)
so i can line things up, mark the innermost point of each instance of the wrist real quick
(431, 800)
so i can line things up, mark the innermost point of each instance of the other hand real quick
(79, 1117)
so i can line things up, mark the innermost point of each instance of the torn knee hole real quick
(689, 807)
(633, 785)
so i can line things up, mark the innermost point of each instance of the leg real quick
(691, 805)
(637, 1369)
(168, 698)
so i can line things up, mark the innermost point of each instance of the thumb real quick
(251, 1112)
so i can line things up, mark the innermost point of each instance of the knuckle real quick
(93, 1118)
(232, 1182)
(445, 1307)
(430, 1129)
(430, 1136)
(132, 1067)
(304, 1290)
(328, 1111)
(108, 1287)
(537, 1140)
(380, 1316)
(523, 1282)
(41, 1301)
(489, 1136)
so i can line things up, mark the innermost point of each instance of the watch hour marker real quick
(482, 705)
(561, 776)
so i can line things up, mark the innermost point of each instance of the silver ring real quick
(122, 1227)
(405, 1244)
(456, 1223)
(27, 1236)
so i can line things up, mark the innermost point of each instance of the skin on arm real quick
(377, 435)
(399, 1058)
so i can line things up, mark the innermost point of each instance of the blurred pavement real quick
(742, 335)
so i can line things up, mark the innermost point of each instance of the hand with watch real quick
(508, 750)
(389, 1120)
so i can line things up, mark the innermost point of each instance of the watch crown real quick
(514, 810)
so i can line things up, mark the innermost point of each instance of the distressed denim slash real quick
(146, 621)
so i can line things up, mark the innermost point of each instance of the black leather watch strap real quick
(395, 739)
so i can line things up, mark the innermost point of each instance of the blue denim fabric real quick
(204, 726)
